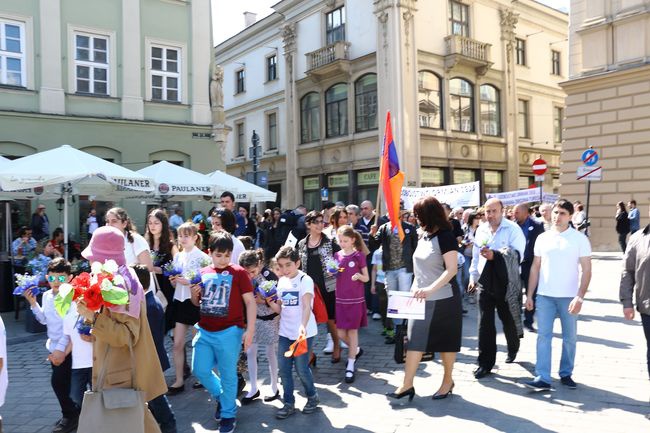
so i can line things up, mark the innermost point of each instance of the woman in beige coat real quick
(114, 327)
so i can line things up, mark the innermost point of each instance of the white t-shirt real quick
(92, 224)
(133, 249)
(4, 376)
(188, 261)
(378, 263)
(237, 249)
(560, 254)
(82, 351)
(291, 291)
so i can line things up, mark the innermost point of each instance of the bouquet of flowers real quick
(268, 290)
(333, 267)
(27, 282)
(83, 327)
(204, 262)
(169, 269)
(483, 241)
(156, 257)
(38, 265)
(194, 277)
(102, 287)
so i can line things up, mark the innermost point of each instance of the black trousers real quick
(61, 380)
(487, 333)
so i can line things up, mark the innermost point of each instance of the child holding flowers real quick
(350, 299)
(58, 344)
(188, 262)
(267, 324)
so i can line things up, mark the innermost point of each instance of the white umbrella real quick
(243, 191)
(178, 183)
(73, 172)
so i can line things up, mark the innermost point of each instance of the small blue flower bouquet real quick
(193, 277)
(268, 289)
(171, 270)
(333, 266)
(27, 282)
(38, 266)
(83, 327)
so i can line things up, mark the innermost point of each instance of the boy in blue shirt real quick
(58, 344)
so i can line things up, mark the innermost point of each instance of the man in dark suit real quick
(531, 229)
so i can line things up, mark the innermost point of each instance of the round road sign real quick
(589, 157)
(539, 167)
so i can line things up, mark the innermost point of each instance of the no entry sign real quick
(539, 167)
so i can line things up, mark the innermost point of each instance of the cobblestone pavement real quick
(612, 394)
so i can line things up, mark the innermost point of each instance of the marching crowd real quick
(237, 284)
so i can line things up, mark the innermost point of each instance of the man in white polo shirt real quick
(559, 254)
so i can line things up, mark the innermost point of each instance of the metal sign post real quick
(539, 168)
(588, 172)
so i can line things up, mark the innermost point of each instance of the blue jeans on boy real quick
(218, 349)
(548, 308)
(302, 368)
(398, 280)
(80, 381)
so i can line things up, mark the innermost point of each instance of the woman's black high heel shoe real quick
(437, 396)
(410, 392)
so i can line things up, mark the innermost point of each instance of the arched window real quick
(490, 110)
(461, 105)
(310, 117)
(336, 110)
(365, 102)
(429, 100)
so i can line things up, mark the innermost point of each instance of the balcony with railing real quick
(461, 50)
(331, 59)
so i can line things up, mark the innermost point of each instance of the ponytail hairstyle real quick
(351, 233)
(249, 258)
(121, 215)
(189, 228)
(165, 242)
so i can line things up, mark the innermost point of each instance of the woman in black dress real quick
(161, 244)
(434, 266)
(622, 225)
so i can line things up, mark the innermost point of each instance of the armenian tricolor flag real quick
(391, 178)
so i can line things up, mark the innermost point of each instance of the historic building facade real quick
(608, 107)
(114, 79)
(472, 86)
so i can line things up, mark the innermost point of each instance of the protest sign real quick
(463, 194)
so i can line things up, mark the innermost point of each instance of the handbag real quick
(401, 345)
(319, 309)
(113, 410)
(159, 293)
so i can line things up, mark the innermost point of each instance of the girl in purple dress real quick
(351, 275)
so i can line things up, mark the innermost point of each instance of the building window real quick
(91, 64)
(165, 74)
(272, 68)
(522, 119)
(272, 130)
(429, 100)
(336, 110)
(12, 53)
(310, 117)
(462, 175)
(459, 18)
(461, 104)
(520, 50)
(490, 111)
(555, 63)
(240, 81)
(492, 181)
(335, 28)
(365, 94)
(558, 116)
(241, 139)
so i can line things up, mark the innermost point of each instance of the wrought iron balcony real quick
(330, 59)
(466, 51)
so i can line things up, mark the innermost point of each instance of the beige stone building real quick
(608, 107)
(472, 86)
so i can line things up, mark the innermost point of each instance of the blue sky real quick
(228, 15)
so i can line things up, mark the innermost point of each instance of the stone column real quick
(202, 57)
(51, 96)
(292, 123)
(220, 130)
(508, 23)
(397, 81)
(131, 97)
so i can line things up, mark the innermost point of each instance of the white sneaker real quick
(376, 316)
(329, 347)
(343, 345)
